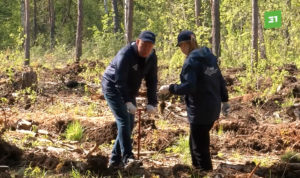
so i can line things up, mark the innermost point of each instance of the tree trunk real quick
(34, 20)
(254, 51)
(106, 6)
(262, 46)
(22, 14)
(286, 30)
(52, 23)
(27, 33)
(128, 20)
(79, 31)
(215, 16)
(116, 16)
(197, 11)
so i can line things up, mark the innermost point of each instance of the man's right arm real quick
(189, 84)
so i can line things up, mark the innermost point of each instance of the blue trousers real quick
(122, 149)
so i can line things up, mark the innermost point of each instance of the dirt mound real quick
(288, 170)
(10, 155)
(275, 138)
(269, 105)
(181, 170)
(230, 77)
(17, 79)
(46, 161)
(291, 68)
(154, 139)
(61, 125)
(95, 163)
(92, 132)
(71, 70)
(104, 134)
(57, 126)
(240, 126)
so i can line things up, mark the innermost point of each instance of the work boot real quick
(115, 165)
(132, 164)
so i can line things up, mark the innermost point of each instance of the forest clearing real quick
(55, 121)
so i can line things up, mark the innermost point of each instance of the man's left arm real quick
(151, 81)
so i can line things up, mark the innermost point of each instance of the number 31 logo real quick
(273, 19)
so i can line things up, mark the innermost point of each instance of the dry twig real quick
(253, 171)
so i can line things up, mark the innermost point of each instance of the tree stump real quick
(29, 78)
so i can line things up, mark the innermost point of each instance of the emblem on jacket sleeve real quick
(135, 67)
(210, 71)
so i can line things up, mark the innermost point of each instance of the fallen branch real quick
(92, 150)
(253, 171)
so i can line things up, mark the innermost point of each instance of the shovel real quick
(139, 131)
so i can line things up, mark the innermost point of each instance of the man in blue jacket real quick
(120, 84)
(204, 89)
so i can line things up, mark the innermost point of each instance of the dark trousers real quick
(122, 149)
(199, 146)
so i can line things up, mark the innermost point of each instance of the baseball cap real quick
(147, 36)
(184, 35)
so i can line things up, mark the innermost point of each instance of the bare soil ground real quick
(258, 130)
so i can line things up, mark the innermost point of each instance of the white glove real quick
(225, 108)
(151, 109)
(164, 90)
(130, 108)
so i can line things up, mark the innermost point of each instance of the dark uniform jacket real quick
(203, 86)
(126, 71)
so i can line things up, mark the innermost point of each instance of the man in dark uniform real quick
(120, 84)
(204, 89)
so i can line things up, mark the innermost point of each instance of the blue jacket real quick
(203, 86)
(126, 71)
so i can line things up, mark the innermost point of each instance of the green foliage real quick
(264, 161)
(166, 19)
(290, 101)
(76, 174)
(181, 148)
(34, 172)
(92, 110)
(220, 130)
(11, 61)
(220, 155)
(103, 44)
(74, 131)
(176, 62)
(253, 80)
(10, 23)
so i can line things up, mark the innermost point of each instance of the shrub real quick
(74, 131)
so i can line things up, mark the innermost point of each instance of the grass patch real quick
(34, 172)
(264, 161)
(74, 131)
(182, 148)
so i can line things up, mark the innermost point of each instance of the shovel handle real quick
(139, 131)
